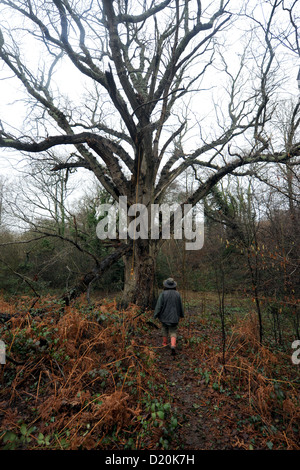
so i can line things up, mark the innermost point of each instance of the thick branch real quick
(126, 18)
(96, 273)
(205, 188)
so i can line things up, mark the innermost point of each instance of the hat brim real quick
(170, 286)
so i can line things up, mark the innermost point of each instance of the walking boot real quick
(165, 341)
(173, 345)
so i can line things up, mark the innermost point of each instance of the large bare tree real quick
(145, 64)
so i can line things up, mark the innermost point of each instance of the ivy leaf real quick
(23, 429)
(9, 436)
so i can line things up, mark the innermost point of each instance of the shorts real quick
(169, 330)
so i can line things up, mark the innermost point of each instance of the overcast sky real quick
(70, 83)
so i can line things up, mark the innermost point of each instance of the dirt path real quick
(199, 426)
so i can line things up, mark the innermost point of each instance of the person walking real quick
(169, 310)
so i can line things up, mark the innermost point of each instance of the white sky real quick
(13, 111)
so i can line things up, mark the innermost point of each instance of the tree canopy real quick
(164, 86)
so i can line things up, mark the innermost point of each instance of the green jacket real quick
(169, 308)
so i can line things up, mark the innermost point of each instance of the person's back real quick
(169, 310)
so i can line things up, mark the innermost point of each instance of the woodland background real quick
(94, 376)
(176, 101)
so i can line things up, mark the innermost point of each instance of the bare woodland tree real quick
(2, 185)
(144, 60)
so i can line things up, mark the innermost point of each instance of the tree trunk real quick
(140, 267)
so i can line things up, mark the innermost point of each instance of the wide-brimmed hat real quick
(170, 283)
